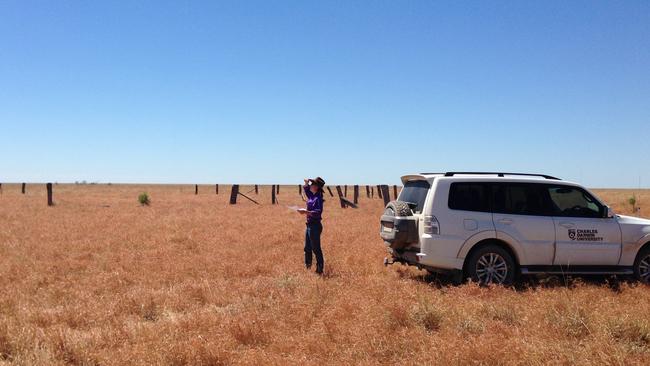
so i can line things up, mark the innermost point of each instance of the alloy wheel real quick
(644, 269)
(493, 268)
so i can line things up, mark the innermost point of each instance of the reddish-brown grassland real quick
(98, 279)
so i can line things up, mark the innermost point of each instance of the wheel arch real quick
(492, 241)
(630, 250)
(641, 249)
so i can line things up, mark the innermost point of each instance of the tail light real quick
(431, 225)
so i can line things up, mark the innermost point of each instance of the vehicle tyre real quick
(399, 208)
(491, 264)
(642, 266)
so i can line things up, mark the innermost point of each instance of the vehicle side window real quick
(573, 202)
(520, 199)
(469, 197)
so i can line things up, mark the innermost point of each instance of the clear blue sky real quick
(272, 91)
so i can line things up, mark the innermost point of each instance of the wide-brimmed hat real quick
(318, 181)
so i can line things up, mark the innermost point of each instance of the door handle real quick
(506, 221)
(567, 225)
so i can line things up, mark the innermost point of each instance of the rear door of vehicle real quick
(521, 214)
(462, 209)
(584, 236)
(414, 193)
(469, 211)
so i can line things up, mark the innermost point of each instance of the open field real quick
(97, 279)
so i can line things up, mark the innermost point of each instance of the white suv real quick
(492, 226)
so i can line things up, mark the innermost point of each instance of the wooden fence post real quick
(0, 188)
(395, 191)
(372, 192)
(340, 193)
(299, 189)
(367, 191)
(273, 200)
(216, 189)
(277, 187)
(49, 194)
(23, 189)
(196, 189)
(233, 194)
(385, 193)
(379, 192)
(345, 190)
(330, 191)
(256, 189)
(356, 194)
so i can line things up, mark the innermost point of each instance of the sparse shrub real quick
(504, 313)
(471, 326)
(428, 315)
(149, 311)
(632, 202)
(249, 333)
(71, 349)
(635, 332)
(397, 316)
(571, 320)
(197, 352)
(287, 282)
(6, 347)
(144, 199)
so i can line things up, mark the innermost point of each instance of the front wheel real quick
(491, 264)
(642, 266)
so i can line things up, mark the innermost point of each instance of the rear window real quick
(469, 197)
(415, 192)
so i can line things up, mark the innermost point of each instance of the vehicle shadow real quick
(530, 282)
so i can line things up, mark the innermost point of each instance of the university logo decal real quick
(572, 234)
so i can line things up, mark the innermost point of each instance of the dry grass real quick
(98, 279)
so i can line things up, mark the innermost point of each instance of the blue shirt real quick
(314, 205)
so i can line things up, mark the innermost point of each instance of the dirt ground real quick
(98, 279)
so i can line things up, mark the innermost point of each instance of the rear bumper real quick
(444, 263)
(440, 251)
(422, 261)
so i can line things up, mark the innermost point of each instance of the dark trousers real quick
(312, 244)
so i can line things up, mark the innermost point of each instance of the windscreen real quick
(415, 192)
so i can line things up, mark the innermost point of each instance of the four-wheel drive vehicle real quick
(492, 226)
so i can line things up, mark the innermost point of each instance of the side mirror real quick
(608, 212)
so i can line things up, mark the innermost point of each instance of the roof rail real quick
(501, 174)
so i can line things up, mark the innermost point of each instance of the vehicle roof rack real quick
(501, 174)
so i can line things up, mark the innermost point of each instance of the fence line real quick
(383, 192)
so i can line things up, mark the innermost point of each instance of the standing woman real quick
(314, 191)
